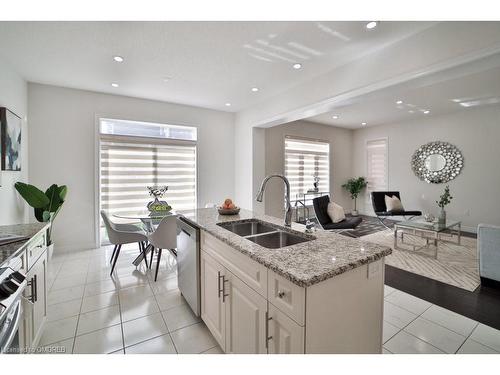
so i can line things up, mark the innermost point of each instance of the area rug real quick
(456, 265)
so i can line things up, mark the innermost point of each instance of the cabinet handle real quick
(281, 294)
(268, 318)
(224, 295)
(218, 284)
(35, 288)
(32, 284)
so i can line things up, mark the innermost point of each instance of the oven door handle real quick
(14, 325)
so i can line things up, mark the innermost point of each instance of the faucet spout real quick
(288, 205)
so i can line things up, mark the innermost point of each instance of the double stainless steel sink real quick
(263, 234)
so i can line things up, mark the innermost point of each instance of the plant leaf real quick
(32, 195)
(63, 190)
(39, 214)
(54, 198)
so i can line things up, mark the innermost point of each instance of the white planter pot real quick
(354, 213)
(50, 251)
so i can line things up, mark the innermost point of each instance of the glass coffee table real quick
(432, 233)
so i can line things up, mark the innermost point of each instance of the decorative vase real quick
(442, 217)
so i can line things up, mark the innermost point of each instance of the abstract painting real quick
(10, 140)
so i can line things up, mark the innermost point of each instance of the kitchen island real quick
(323, 294)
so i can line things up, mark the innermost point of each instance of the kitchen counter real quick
(10, 250)
(328, 254)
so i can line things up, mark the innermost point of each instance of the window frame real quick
(367, 200)
(131, 139)
(329, 158)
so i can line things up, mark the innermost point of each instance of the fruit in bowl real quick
(228, 208)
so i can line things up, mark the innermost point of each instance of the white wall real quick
(13, 95)
(475, 131)
(340, 160)
(417, 55)
(62, 149)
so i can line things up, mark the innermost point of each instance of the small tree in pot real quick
(46, 205)
(354, 186)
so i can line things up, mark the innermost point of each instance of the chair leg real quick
(151, 259)
(113, 255)
(158, 264)
(382, 222)
(141, 251)
(116, 258)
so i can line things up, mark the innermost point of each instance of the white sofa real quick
(488, 242)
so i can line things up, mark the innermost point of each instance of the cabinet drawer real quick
(286, 296)
(36, 248)
(248, 270)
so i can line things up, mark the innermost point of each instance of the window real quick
(376, 167)
(129, 163)
(305, 159)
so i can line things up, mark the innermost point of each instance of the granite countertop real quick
(328, 254)
(10, 250)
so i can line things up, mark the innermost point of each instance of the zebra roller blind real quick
(129, 164)
(376, 168)
(305, 159)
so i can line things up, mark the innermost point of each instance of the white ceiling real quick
(470, 86)
(207, 63)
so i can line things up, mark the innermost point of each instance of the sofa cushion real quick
(350, 222)
(336, 212)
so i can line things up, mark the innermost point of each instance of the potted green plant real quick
(46, 205)
(444, 200)
(354, 186)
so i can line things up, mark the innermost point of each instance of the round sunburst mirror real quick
(437, 162)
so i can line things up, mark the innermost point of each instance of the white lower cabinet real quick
(253, 310)
(240, 319)
(245, 318)
(213, 310)
(285, 336)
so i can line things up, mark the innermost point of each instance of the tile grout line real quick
(79, 314)
(164, 322)
(470, 334)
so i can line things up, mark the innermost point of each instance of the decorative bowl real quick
(429, 218)
(232, 211)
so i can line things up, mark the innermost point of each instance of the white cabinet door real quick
(39, 271)
(285, 335)
(212, 307)
(245, 317)
(35, 311)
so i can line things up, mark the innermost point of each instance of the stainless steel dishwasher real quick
(188, 263)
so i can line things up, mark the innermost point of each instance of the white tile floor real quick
(90, 312)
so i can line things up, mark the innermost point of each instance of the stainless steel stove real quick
(12, 284)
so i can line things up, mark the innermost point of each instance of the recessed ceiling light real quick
(297, 66)
(255, 89)
(115, 85)
(228, 104)
(363, 123)
(411, 111)
(166, 79)
(335, 117)
(118, 58)
(371, 24)
(426, 112)
(399, 102)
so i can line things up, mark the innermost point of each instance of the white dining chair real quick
(164, 237)
(119, 235)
